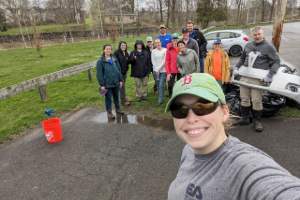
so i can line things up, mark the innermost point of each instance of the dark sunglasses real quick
(180, 111)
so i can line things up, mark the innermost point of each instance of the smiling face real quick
(190, 27)
(157, 43)
(123, 46)
(182, 47)
(185, 36)
(139, 46)
(203, 133)
(107, 50)
(217, 46)
(174, 41)
(258, 36)
(162, 31)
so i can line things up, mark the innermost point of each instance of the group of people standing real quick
(168, 58)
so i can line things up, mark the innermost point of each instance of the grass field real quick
(45, 29)
(25, 110)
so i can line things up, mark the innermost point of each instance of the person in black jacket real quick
(122, 56)
(198, 36)
(140, 69)
(149, 49)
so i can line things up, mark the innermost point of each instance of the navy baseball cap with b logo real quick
(199, 84)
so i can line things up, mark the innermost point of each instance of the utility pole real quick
(278, 23)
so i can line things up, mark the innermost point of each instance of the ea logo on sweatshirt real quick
(193, 193)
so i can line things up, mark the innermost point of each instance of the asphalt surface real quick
(132, 157)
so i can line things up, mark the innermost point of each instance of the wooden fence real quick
(41, 81)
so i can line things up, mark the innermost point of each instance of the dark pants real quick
(202, 61)
(171, 82)
(122, 90)
(155, 86)
(115, 93)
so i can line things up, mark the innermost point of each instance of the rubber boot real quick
(120, 112)
(110, 115)
(245, 117)
(256, 120)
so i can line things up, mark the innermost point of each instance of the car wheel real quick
(235, 51)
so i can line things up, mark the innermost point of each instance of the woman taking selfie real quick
(187, 60)
(215, 165)
(110, 78)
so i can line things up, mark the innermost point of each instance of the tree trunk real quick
(262, 11)
(173, 15)
(238, 13)
(187, 10)
(278, 23)
(21, 30)
(161, 11)
(120, 6)
(248, 12)
(168, 13)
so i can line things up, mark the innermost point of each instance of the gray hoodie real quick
(267, 58)
(188, 62)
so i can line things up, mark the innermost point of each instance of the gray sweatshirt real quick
(234, 171)
(188, 62)
(192, 44)
(266, 55)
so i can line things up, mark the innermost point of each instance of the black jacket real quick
(140, 66)
(123, 60)
(198, 36)
(149, 52)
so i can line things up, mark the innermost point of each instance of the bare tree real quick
(37, 41)
(173, 15)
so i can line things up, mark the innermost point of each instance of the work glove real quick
(235, 71)
(268, 78)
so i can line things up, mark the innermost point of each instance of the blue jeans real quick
(220, 83)
(115, 93)
(160, 82)
(202, 61)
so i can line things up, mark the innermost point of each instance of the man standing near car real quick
(198, 36)
(164, 37)
(189, 42)
(262, 55)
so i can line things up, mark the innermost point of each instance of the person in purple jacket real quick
(215, 165)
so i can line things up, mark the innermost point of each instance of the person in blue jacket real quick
(110, 78)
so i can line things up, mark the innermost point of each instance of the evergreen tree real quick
(211, 10)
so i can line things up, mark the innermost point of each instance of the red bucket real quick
(53, 131)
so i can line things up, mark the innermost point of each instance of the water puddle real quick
(159, 125)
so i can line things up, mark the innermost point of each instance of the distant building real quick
(115, 16)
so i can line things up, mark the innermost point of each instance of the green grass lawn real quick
(88, 20)
(26, 110)
(44, 28)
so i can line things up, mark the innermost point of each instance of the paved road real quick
(132, 157)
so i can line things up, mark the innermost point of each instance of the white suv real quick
(233, 41)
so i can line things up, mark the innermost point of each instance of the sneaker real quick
(126, 103)
(144, 98)
(156, 92)
(139, 99)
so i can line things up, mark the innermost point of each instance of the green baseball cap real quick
(175, 35)
(199, 84)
